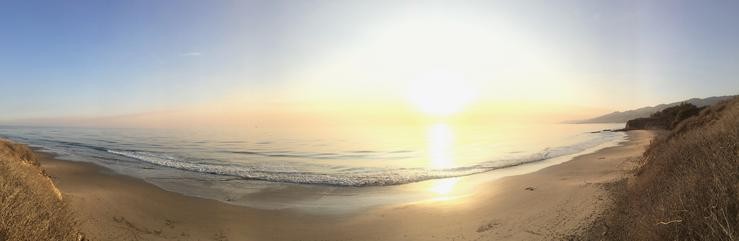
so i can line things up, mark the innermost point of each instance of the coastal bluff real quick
(665, 119)
(31, 207)
(686, 186)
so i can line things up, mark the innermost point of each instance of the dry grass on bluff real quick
(686, 187)
(31, 208)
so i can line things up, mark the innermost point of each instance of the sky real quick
(229, 61)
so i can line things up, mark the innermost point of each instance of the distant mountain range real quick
(623, 116)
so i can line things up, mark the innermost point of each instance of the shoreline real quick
(117, 207)
(322, 198)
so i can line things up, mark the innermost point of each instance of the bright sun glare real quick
(440, 94)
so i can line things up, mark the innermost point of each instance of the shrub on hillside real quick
(667, 119)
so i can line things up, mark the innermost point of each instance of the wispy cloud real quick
(191, 54)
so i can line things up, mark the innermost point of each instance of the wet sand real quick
(544, 205)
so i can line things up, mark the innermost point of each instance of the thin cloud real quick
(191, 54)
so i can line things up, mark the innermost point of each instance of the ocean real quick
(233, 164)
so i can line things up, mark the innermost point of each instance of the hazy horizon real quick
(246, 63)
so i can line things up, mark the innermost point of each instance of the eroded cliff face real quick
(31, 207)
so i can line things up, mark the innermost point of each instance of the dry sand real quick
(564, 200)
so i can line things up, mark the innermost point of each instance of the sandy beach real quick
(548, 204)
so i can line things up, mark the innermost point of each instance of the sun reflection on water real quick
(441, 156)
(440, 142)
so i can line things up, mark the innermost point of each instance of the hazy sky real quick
(107, 58)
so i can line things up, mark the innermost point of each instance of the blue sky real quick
(102, 58)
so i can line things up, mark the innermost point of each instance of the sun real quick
(440, 94)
